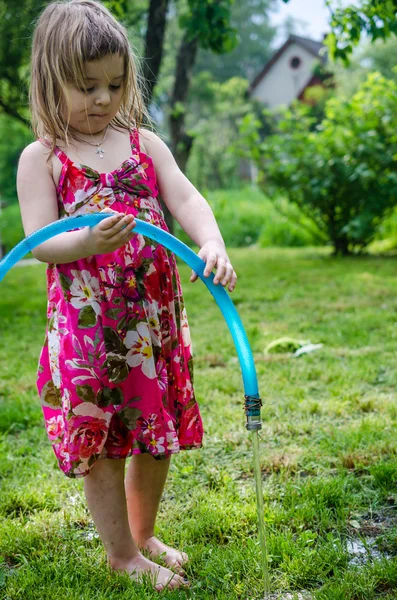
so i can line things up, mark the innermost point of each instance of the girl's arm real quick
(191, 210)
(39, 207)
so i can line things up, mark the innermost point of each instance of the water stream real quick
(260, 511)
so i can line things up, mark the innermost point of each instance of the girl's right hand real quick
(111, 233)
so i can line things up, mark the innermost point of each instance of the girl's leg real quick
(105, 493)
(144, 485)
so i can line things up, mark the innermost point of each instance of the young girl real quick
(115, 372)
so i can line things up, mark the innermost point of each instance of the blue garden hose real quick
(252, 398)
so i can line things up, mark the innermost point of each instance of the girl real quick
(115, 372)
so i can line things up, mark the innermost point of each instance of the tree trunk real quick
(154, 43)
(181, 141)
(341, 246)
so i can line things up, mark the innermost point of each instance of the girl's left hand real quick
(215, 255)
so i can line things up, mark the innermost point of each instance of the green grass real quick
(328, 444)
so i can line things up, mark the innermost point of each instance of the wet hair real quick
(67, 34)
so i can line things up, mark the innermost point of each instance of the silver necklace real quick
(98, 150)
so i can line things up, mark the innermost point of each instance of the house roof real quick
(310, 45)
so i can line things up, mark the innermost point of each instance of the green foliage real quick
(247, 217)
(379, 56)
(119, 8)
(386, 237)
(215, 111)
(16, 26)
(375, 18)
(11, 230)
(209, 21)
(14, 136)
(342, 175)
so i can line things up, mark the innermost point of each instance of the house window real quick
(295, 62)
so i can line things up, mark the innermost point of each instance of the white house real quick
(287, 75)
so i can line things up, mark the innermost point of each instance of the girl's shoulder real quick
(148, 139)
(36, 154)
(157, 149)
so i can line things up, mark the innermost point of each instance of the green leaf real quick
(87, 318)
(107, 396)
(114, 313)
(66, 282)
(129, 417)
(86, 393)
(113, 342)
(117, 368)
(50, 395)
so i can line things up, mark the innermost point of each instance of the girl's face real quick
(95, 104)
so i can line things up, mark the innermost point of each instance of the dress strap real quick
(60, 154)
(134, 139)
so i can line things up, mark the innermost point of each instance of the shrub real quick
(247, 217)
(342, 175)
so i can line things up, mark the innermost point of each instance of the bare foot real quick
(160, 577)
(171, 557)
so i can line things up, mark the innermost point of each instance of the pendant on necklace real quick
(99, 151)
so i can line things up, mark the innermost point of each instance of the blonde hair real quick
(67, 34)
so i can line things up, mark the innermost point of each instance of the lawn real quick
(328, 443)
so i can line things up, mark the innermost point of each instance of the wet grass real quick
(328, 444)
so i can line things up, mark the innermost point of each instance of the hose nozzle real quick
(252, 407)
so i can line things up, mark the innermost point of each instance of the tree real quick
(206, 23)
(343, 174)
(375, 18)
(154, 44)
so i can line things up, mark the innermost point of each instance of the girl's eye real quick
(89, 90)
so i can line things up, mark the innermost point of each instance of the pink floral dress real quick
(115, 373)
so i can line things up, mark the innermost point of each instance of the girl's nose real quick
(103, 97)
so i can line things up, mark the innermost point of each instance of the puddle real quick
(86, 531)
(363, 548)
(89, 535)
(89, 532)
(73, 499)
(363, 551)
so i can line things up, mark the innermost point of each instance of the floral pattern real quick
(115, 374)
